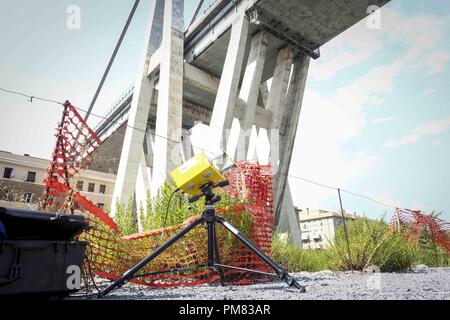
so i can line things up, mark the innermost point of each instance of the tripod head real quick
(207, 192)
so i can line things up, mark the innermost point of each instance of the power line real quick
(199, 148)
(82, 110)
(346, 191)
(31, 97)
(313, 182)
(105, 118)
(371, 199)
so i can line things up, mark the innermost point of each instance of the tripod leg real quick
(213, 248)
(133, 271)
(282, 274)
(217, 259)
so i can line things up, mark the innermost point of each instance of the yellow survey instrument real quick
(195, 173)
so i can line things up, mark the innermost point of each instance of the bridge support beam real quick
(275, 104)
(276, 101)
(137, 121)
(283, 200)
(250, 92)
(223, 114)
(142, 187)
(168, 130)
(289, 222)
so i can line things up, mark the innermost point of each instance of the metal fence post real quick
(345, 229)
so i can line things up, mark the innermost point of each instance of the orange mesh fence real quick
(110, 255)
(75, 144)
(415, 222)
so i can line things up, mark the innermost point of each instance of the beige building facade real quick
(318, 227)
(22, 182)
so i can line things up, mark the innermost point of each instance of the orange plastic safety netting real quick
(414, 223)
(110, 255)
(73, 153)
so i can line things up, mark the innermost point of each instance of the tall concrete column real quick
(289, 222)
(275, 103)
(276, 100)
(250, 91)
(264, 91)
(287, 140)
(143, 181)
(168, 130)
(222, 117)
(187, 149)
(138, 115)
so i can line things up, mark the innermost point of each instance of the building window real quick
(80, 185)
(8, 173)
(28, 197)
(102, 189)
(31, 177)
(101, 206)
(91, 187)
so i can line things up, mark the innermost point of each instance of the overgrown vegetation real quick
(124, 218)
(371, 243)
(295, 259)
(153, 215)
(429, 253)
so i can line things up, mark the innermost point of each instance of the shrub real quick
(154, 214)
(124, 219)
(428, 253)
(431, 258)
(372, 243)
(295, 259)
(397, 253)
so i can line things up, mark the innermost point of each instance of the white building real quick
(318, 227)
(22, 182)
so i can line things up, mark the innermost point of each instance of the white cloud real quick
(427, 129)
(408, 139)
(434, 127)
(435, 62)
(383, 120)
(329, 122)
(348, 49)
(428, 92)
(418, 33)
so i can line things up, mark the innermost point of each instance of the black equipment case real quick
(38, 253)
(40, 267)
(32, 225)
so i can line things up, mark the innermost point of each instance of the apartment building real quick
(318, 227)
(22, 182)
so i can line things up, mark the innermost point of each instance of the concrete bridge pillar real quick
(226, 98)
(286, 216)
(250, 91)
(142, 187)
(137, 121)
(168, 132)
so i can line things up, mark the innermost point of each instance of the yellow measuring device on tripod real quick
(195, 173)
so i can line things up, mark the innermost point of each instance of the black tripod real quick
(210, 218)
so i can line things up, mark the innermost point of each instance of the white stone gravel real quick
(422, 283)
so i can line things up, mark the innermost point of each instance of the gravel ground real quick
(421, 283)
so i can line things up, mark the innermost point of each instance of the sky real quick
(375, 118)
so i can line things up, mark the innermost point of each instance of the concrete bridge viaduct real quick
(240, 62)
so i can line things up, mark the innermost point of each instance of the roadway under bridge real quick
(216, 73)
